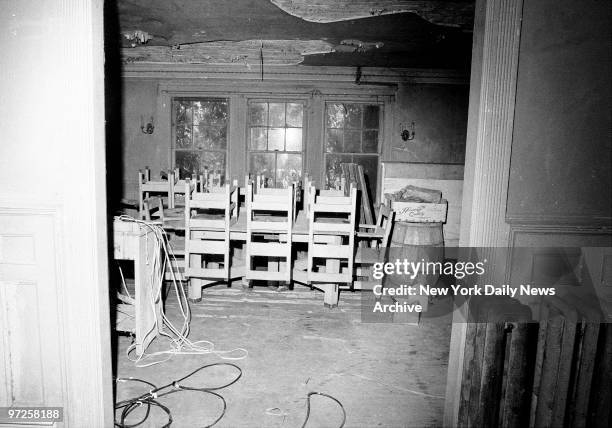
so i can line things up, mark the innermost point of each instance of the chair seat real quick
(378, 233)
(177, 212)
(369, 255)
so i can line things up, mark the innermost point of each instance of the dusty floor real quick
(385, 374)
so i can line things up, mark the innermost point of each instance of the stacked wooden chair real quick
(376, 237)
(270, 214)
(331, 242)
(208, 218)
(209, 181)
(168, 189)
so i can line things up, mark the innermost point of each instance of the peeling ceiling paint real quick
(449, 13)
(360, 33)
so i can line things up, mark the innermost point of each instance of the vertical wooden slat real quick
(492, 375)
(585, 362)
(475, 370)
(537, 376)
(515, 410)
(467, 367)
(561, 388)
(550, 367)
(600, 409)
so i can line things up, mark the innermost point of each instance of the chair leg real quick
(332, 295)
(246, 283)
(194, 292)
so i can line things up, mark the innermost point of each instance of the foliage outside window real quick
(276, 141)
(351, 136)
(200, 135)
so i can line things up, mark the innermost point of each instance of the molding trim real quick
(370, 75)
(557, 230)
(493, 139)
(602, 222)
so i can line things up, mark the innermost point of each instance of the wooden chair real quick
(269, 232)
(168, 189)
(377, 236)
(208, 217)
(147, 188)
(209, 180)
(331, 239)
(379, 232)
(153, 209)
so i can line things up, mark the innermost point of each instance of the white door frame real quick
(495, 51)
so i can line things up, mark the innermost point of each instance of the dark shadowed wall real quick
(439, 113)
(562, 150)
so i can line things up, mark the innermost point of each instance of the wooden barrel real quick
(415, 242)
(417, 234)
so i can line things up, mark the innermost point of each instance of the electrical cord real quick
(310, 394)
(150, 398)
(178, 336)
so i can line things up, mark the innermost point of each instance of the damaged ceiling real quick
(382, 33)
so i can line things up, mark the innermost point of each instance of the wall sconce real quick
(147, 128)
(407, 131)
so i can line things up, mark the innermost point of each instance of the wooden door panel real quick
(30, 298)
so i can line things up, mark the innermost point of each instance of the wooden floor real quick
(389, 375)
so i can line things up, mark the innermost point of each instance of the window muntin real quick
(200, 135)
(276, 140)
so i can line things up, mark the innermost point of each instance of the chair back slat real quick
(275, 225)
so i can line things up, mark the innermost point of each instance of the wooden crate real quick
(420, 212)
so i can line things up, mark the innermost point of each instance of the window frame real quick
(199, 97)
(380, 143)
(277, 98)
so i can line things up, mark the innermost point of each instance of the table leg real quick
(195, 284)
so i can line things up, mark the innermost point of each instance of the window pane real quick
(258, 138)
(335, 116)
(262, 164)
(353, 115)
(188, 162)
(215, 112)
(209, 137)
(213, 161)
(258, 114)
(370, 116)
(295, 114)
(288, 169)
(276, 139)
(333, 169)
(333, 142)
(277, 114)
(370, 141)
(352, 141)
(183, 112)
(294, 140)
(183, 136)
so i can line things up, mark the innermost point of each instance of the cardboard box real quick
(420, 212)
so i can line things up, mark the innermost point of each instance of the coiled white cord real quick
(179, 341)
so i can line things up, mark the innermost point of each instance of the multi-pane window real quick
(351, 136)
(200, 134)
(276, 141)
